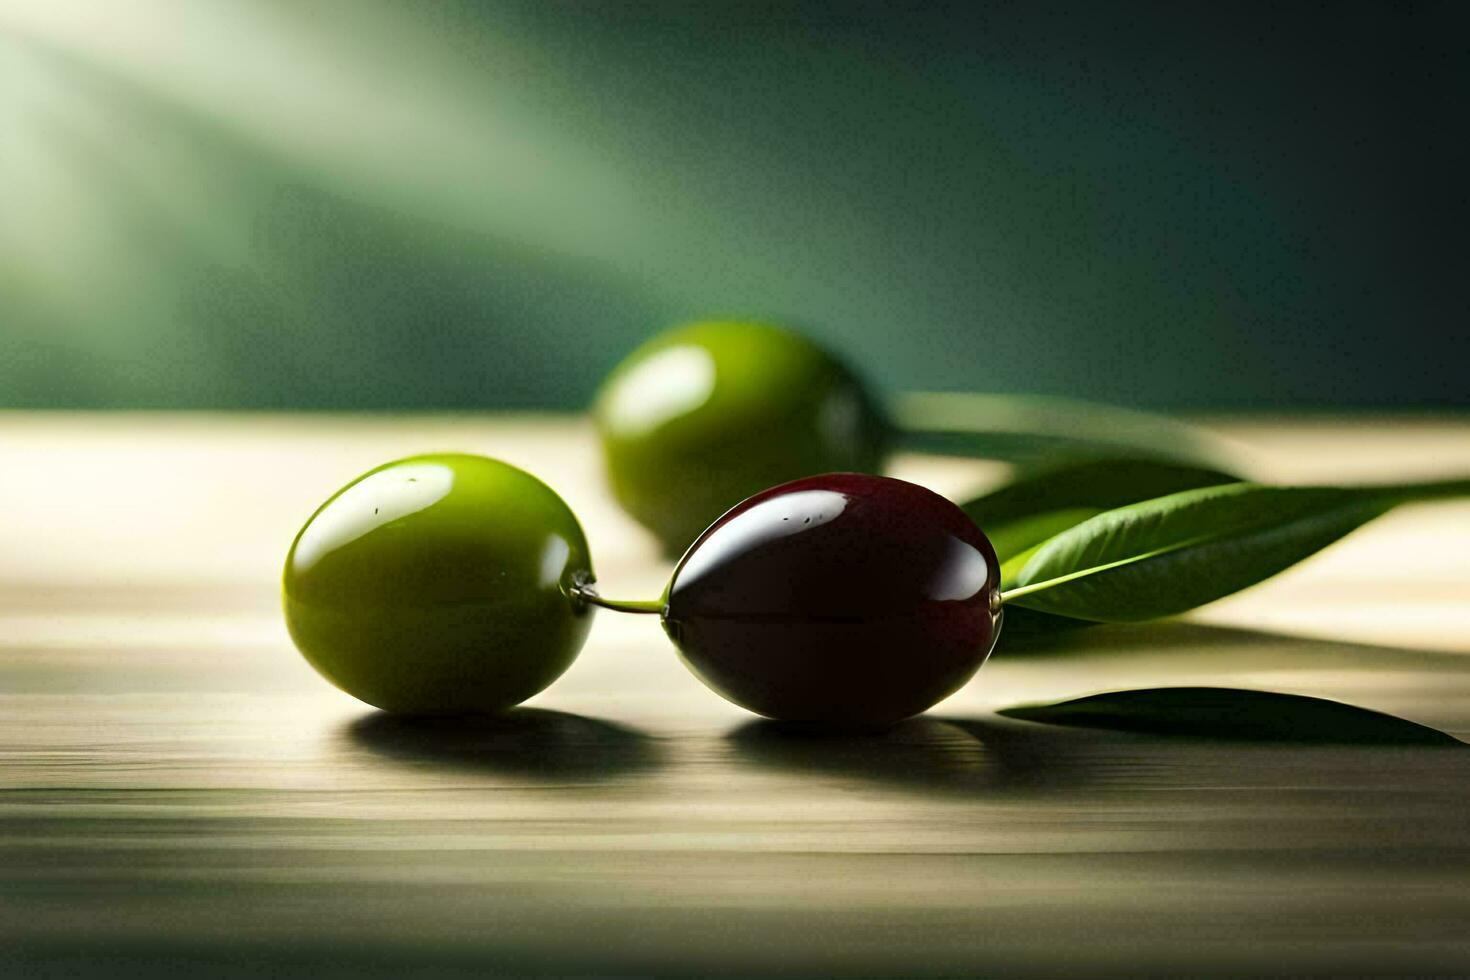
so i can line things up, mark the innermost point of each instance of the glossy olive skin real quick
(439, 585)
(701, 417)
(844, 599)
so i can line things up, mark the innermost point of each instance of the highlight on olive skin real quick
(440, 584)
(707, 414)
(844, 599)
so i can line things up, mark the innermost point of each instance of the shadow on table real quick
(527, 742)
(1423, 685)
(1121, 738)
(1223, 714)
(922, 754)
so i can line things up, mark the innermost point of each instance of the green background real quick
(371, 205)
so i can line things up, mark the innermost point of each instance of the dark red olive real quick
(846, 599)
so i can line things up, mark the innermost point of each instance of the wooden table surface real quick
(179, 791)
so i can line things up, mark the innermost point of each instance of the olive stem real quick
(641, 606)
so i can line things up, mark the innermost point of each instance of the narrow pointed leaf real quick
(1165, 556)
(1042, 503)
(1094, 484)
(1226, 713)
(1016, 540)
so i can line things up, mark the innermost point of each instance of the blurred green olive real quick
(705, 415)
(440, 584)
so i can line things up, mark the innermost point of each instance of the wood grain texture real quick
(179, 792)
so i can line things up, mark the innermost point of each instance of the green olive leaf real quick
(1042, 502)
(1167, 555)
(1016, 540)
(1022, 427)
(1096, 483)
(1226, 713)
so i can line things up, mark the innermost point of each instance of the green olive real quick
(440, 584)
(705, 415)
